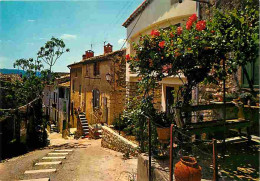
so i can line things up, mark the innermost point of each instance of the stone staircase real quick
(54, 128)
(84, 124)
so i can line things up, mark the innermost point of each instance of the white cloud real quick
(30, 20)
(68, 37)
(121, 41)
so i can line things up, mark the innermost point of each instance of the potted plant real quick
(230, 97)
(244, 97)
(162, 126)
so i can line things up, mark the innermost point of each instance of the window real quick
(73, 86)
(95, 94)
(72, 108)
(253, 73)
(86, 70)
(67, 93)
(96, 69)
(64, 106)
(61, 92)
(54, 96)
(79, 89)
(76, 73)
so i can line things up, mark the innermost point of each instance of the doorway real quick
(169, 100)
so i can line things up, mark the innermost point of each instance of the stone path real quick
(44, 167)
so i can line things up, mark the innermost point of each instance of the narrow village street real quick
(84, 160)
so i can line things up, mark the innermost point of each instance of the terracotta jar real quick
(187, 169)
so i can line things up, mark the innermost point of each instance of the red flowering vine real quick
(201, 25)
(189, 25)
(162, 44)
(193, 18)
(127, 57)
(155, 33)
(179, 30)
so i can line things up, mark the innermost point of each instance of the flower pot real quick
(187, 169)
(163, 134)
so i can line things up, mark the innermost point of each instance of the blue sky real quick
(26, 25)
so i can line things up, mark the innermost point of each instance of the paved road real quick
(87, 161)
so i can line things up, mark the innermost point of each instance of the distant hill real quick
(15, 71)
(11, 71)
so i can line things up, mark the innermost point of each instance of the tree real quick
(52, 51)
(239, 30)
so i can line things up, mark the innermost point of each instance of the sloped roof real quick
(136, 12)
(98, 58)
(65, 84)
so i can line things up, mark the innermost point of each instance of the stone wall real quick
(158, 173)
(113, 141)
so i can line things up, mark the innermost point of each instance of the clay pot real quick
(163, 134)
(187, 169)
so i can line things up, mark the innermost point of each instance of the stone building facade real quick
(98, 86)
(56, 103)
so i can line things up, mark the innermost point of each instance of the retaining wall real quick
(113, 141)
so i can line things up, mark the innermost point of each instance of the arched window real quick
(96, 96)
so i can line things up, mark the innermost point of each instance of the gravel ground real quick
(87, 162)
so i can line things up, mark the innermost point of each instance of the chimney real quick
(88, 54)
(108, 48)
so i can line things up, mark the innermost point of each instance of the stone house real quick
(155, 14)
(56, 102)
(98, 86)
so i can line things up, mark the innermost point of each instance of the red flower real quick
(189, 48)
(189, 25)
(150, 63)
(212, 31)
(127, 57)
(166, 68)
(179, 30)
(155, 33)
(201, 25)
(193, 18)
(196, 37)
(171, 34)
(162, 44)
(177, 54)
(139, 78)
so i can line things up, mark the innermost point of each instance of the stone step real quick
(38, 179)
(53, 158)
(40, 171)
(58, 153)
(49, 163)
(64, 150)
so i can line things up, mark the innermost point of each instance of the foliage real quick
(239, 31)
(198, 49)
(161, 120)
(52, 51)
